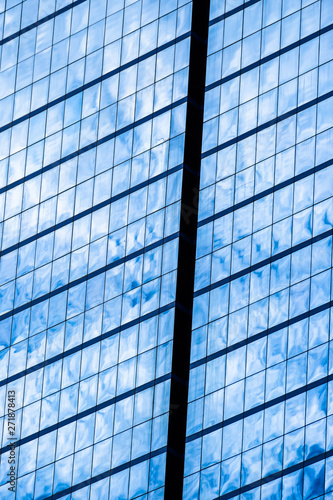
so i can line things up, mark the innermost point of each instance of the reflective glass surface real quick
(94, 132)
(92, 106)
(260, 411)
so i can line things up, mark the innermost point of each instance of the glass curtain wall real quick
(92, 110)
(260, 412)
(93, 129)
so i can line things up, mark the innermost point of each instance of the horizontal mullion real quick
(268, 124)
(277, 475)
(85, 413)
(261, 335)
(90, 210)
(93, 145)
(88, 276)
(265, 193)
(88, 85)
(40, 21)
(232, 12)
(108, 473)
(261, 407)
(265, 262)
(268, 58)
(86, 344)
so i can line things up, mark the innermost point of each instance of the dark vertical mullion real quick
(187, 251)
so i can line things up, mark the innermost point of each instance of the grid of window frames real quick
(260, 412)
(92, 122)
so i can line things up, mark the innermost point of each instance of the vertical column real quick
(187, 252)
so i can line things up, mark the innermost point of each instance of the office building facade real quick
(165, 267)
(260, 396)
